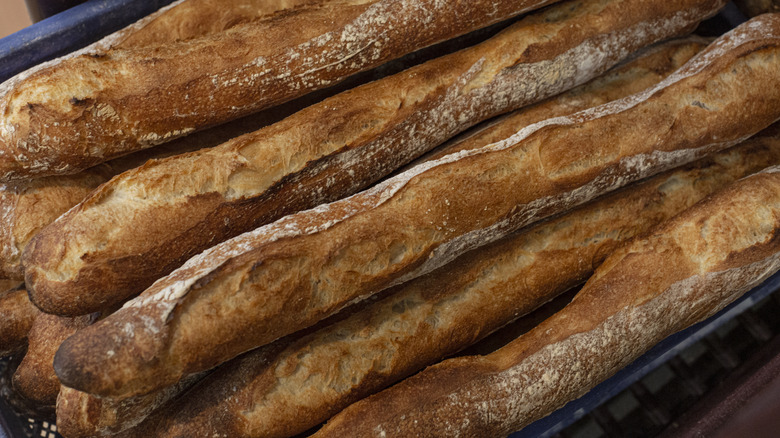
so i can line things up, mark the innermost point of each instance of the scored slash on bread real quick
(288, 275)
(89, 108)
(683, 271)
(147, 222)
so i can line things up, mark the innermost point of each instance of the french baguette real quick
(434, 316)
(87, 109)
(17, 314)
(684, 271)
(81, 415)
(35, 379)
(285, 276)
(149, 221)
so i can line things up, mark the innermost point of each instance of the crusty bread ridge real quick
(287, 275)
(148, 221)
(643, 69)
(89, 109)
(289, 392)
(17, 314)
(688, 267)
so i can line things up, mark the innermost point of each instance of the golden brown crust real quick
(148, 221)
(91, 108)
(35, 378)
(287, 392)
(17, 314)
(685, 270)
(285, 276)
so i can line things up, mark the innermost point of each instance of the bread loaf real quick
(684, 271)
(287, 275)
(434, 316)
(34, 379)
(636, 75)
(17, 314)
(90, 108)
(147, 222)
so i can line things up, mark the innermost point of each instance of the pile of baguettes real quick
(289, 256)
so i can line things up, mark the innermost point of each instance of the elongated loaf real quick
(35, 379)
(434, 316)
(684, 271)
(287, 275)
(147, 222)
(90, 108)
(17, 314)
(87, 419)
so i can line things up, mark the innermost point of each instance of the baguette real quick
(147, 222)
(684, 271)
(88, 109)
(17, 314)
(646, 70)
(35, 379)
(285, 276)
(289, 392)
